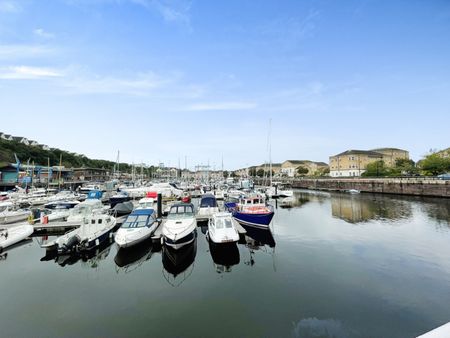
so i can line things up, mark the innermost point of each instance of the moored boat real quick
(221, 228)
(138, 226)
(93, 231)
(251, 211)
(14, 234)
(180, 226)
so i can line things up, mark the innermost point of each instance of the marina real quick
(332, 262)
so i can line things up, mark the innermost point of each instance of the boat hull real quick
(181, 242)
(255, 220)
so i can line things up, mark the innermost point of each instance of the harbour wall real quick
(400, 186)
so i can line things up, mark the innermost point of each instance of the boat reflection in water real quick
(90, 259)
(129, 259)
(257, 240)
(224, 256)
(5, 252)
(179, 264)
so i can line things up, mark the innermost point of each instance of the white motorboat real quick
(279, 191)
(180, 226)
(138, 226)
(93, 231)
(13, 235)
(207, 207)
(146, 202)
(10, 214)
(85, 209)
(167, 190)
(353, 191)
(222, 228)
(219, 194)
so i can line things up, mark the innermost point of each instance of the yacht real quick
(207, 207)
(251, 211)
(180, 226)
(93, 231)
(10, 214)
(14, 234)
(138, 226)
(86, 208)
(222, 228)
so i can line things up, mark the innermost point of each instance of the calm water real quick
(336, 266)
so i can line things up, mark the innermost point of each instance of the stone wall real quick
(401, 186)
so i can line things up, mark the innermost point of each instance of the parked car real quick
(445, 176)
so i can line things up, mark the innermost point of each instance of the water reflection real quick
(224, 256)
(5, 252)
(88, 259)
(363, 208)
(178, 264)
(129, 259)
(257, 240)
(324, 328)
(301, 198)
(438, 209)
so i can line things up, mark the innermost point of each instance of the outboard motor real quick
(71, 243)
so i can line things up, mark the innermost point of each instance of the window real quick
(100, 221)
(135, 221)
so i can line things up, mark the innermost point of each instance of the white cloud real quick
(28, 73)
(176, 11)
(141, 84)
(15, 52)
(7, 6)
(222, 106)
(43, 34)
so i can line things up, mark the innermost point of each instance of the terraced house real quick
(352, 163)
(289, 167)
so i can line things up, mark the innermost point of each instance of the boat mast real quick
(270, 151)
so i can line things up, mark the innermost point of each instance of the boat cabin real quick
(181, 209)
(140, 218)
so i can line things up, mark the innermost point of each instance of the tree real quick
(302, 170)
(225, 174)
(434, 164)
(252, 172)
(377, 168)
(260, 173)
(404, 166)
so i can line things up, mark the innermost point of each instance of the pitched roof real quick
(388, 149)
(360, 152)
(298, 161)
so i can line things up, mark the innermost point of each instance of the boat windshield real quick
(135, 221)
(208, 202)
(3, 208)
(223, 223)
(178, 211)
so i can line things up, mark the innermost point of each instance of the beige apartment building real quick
(352, 163)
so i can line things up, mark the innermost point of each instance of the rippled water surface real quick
(334, 265)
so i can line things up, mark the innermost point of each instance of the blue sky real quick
(161, 80)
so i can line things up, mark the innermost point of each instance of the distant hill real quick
(444, 153)
(40, 157)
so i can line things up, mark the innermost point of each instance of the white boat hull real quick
(14, 235)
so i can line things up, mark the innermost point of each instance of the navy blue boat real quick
(251, 211)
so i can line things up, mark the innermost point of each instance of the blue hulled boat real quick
(251, 211)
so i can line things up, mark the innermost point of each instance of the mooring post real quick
(159, 205)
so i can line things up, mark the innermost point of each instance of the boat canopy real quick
(208, 201)
(181, 208)
(139, 218)
(95, 194)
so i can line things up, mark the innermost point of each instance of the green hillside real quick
(40, 157)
